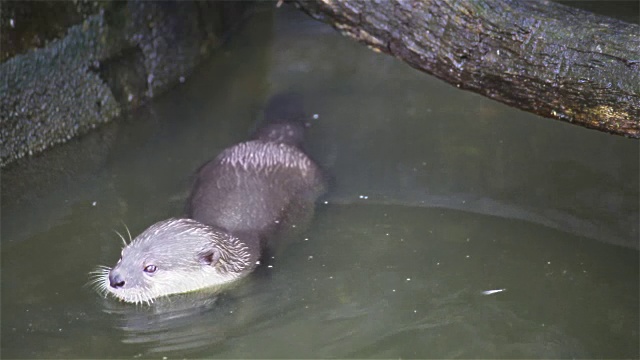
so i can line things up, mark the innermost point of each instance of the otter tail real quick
(284, 120)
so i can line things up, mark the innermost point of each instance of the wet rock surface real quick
(75, 66)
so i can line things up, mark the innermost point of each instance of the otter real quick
(241, 201)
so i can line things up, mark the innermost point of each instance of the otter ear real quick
(209, 257)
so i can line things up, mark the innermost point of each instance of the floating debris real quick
(491, 292)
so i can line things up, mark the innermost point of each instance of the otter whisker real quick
(121, 237)
(98, 276)
(98, 273)
(96, 280)
(100, 286)
(128, 232)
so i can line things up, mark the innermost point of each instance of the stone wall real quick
(70, 66)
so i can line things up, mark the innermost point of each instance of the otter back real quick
(256, 187)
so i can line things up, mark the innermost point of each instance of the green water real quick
(436, 196)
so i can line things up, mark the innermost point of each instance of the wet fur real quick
(256, 187)
(241, 200)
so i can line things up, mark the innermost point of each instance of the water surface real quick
(437, 195)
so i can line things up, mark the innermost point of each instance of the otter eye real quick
(150, 269)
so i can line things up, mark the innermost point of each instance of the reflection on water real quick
(172, 324)
(437, 196)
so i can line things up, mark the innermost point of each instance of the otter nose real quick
(115, 280)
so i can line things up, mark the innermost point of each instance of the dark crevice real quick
(126, 76)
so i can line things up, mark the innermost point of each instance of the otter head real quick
(174, 256)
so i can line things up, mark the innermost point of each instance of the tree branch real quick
(538, 56)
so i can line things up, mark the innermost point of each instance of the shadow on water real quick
(437, 196)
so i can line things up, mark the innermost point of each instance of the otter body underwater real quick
(240, 202)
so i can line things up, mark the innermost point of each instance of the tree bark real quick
(538, 56)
